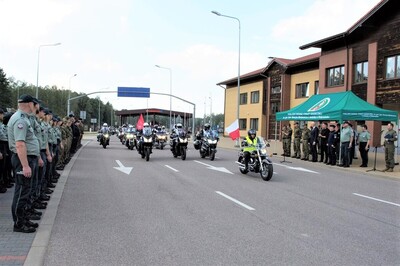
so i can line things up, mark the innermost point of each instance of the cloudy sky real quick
(118, 43)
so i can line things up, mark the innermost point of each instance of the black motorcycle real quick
(105, 139)
(208, 144)
(259, 161)
(179, 144)
(146, 144)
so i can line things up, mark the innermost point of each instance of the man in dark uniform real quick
(331, 145)
(314, 142)
(324, 134)
(25, 147)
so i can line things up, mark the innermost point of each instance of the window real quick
(243, 98)
(316, 87)
(302, 90)
(335, 76)
(254, 123)
(242, 124)
(276, 89)
(255, 96)
(361, 72)
(275, 107)
(393, 67)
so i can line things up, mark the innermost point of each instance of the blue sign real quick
(133, 92)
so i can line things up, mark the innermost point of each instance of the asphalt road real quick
(173, 212)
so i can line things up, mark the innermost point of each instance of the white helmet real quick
(146, 124)
(105, 125)
(179, 125)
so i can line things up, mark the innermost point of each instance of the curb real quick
(42, 238)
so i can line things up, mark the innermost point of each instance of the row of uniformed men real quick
(38, 142)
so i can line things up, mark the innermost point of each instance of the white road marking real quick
(221, 169)
(122, 168)
(235, 201)
(173, 169)
(384, 201)
(296, 168)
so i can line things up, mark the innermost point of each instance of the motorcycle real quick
(160, 140)
(208, 146)
(179, 145)
(130, 139)
(259, 161)
(105, 140)
(146, 144)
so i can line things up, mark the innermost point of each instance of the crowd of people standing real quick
(334, 144)
(34, 144)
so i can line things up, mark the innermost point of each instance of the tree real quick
(5, 91)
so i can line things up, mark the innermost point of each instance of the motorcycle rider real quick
(175, 134)
(145, 131)
(249, 144)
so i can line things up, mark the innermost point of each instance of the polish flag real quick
(140, 122)
(233, 130)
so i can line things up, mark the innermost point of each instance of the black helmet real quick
(207, 126)
(251, 132)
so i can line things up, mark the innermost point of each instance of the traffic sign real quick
(134, 92)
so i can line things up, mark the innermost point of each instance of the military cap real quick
(26, 98)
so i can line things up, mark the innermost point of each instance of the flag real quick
(140, 122)
(233, 130)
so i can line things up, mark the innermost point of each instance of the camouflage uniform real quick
(286, 139)
(296, 143)
(305, 137)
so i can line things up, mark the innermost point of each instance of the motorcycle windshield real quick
(147, 131)
(182, 133)
(261, 143)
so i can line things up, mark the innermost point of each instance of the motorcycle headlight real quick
(147, 140)
(182, 140)
(106, 135)
(212, 141)
(263, 151)
(129, 136)
(161, 137)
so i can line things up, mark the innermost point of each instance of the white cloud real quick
(29, 21)
(322, 19)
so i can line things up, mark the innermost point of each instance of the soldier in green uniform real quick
(390, 139)
(296, 141)
(63, 145)
(305, 138)
(286, 140)
(56, 147)
(25, 148)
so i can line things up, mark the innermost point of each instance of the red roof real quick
(282, 61)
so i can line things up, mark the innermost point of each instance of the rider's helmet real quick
(251, 133)
(207, 126)
(163, 127)
(105, 125)
(179, 125)
(146, 124)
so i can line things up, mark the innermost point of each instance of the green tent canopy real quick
(340, 106)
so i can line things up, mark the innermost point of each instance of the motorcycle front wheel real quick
(147, 154)
(183, 153)
(266, 173)
(212, 155)
(241, 160)
(104, 144)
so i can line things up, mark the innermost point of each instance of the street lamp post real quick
(37, 70)
(238, 79)
(69, 94)
(170, 94)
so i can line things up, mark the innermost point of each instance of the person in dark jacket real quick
(324, 134)
(331, 145)
(314, 142)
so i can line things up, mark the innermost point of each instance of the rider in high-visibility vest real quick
(249, 144)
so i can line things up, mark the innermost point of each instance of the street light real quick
(69, 94)
(170, 94)
(238, 79)
(37, 72)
